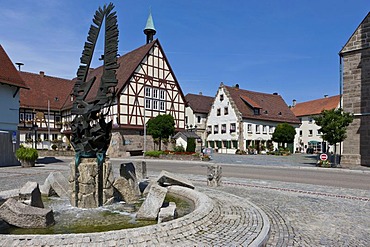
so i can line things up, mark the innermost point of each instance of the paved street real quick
(333, 212)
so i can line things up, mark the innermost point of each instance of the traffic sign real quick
(323, 157)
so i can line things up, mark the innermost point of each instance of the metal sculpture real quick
(90, 133)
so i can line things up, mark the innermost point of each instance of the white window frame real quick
(249, 128)
(162, 105)
(148, 92)
(148, 104)
(155, 93)
(258, 129)
(162, 94)
(155, 105)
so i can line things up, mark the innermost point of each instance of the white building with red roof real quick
(310, 139)
(242, 119)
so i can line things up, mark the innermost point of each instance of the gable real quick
(8, 73)
(360, 39)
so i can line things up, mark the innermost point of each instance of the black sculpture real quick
(90, 133)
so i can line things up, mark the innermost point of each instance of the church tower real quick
(149, 29)
(356, 95)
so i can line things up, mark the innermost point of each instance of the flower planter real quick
(27, 163)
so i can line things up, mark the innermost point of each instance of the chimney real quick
(42, 73)
(294, 103)
(237, 86)
(275, 94)
(200, 93)
(325, 96)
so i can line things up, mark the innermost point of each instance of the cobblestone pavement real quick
(307, 215)
(299, 214)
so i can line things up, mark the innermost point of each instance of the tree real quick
(162, 126)
(284, 133)
(333, 125)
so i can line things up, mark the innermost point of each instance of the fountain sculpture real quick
(91, 174)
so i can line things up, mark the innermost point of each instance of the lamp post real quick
(34, 128)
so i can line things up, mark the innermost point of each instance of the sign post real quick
(323, 157)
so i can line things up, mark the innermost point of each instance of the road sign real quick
(323, 157)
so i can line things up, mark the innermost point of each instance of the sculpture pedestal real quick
(91, 186)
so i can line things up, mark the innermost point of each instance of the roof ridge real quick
(320, 99)
(50, 76)
(250, 91)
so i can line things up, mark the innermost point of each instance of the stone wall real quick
(356, 95)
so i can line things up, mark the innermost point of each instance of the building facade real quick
(245, 120)
(11, 84)
(310, 140)
(356, 91)
(196, 112)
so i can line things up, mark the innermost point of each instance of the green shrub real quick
(54, 147)
(153, 153)
(29, 154)
(179, 149)
(190, 147)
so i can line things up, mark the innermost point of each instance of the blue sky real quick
(289, 47)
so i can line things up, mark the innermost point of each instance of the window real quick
(215, 129)
(271, 129)
(218, 112)
(232, 127)
(46, 137)
(221, 97)
(310, 120)
(155, 93)
(55, 137)
(162, 94)
(319, 133)
(300, 133)
(226, 110)
(209, 129)
(249, 128)
(57, 119)
(256, 111)
(29, 117)
(148, 92)
(264, 129)
(186, 120)
(223, 128)
(258, 131)
(310, 132)
(235, 144)
(155, 104)
(199, 119)
(162, 106)
(21, 117)
(148, 104)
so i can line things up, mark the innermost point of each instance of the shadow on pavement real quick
(48, 160)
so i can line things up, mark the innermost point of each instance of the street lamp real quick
(34, 128)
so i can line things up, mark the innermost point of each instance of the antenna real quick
(19, 65)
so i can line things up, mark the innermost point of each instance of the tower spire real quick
(149, 28)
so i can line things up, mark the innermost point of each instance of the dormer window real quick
(256, 111)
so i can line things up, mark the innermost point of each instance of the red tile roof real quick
(199, 103)
(44, 88)
(127, 66)
(272, 106)
(315, 107)
(8, 73)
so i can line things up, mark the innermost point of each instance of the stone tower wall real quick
(356, 95)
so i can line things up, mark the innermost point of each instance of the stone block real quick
(167, 213)
(55, 184)
(21, 215)
(154, 201)
(31, 195)
(126, 191)
(141, 171)
(214, 175)
(127, 170)
(166, 179)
